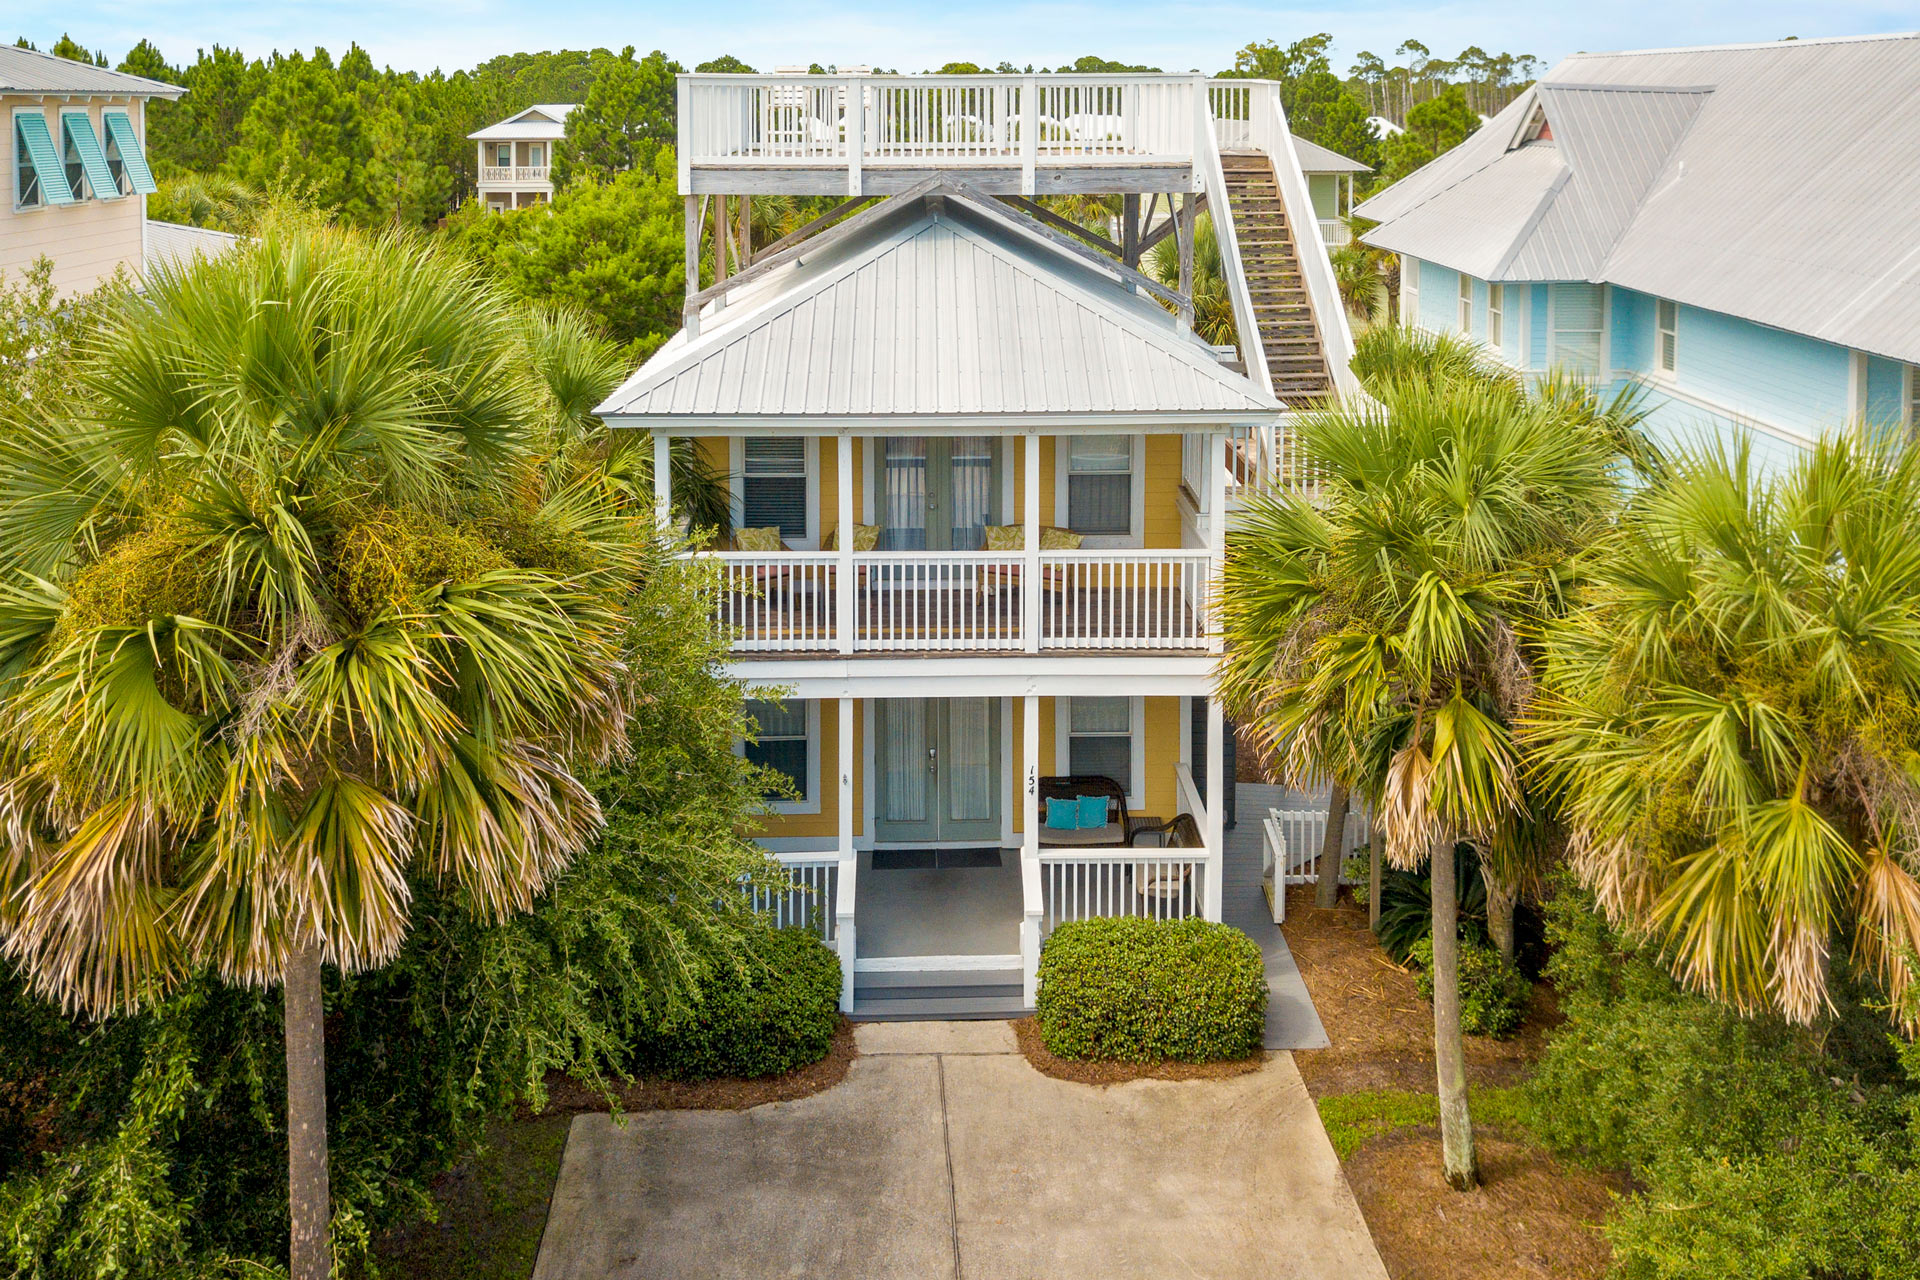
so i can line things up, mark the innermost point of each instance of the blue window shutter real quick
(120, 129)
(33, 134)
(92, 158)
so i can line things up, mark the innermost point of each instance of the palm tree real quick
(297, 614)
(1212, 303)
(1376, 635)
(1730, 720)
(1358, 278)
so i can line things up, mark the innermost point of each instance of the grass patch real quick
(1353, 1119)
(492, 1209)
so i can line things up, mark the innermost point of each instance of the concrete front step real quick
(960, 994)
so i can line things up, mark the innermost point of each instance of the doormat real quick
(934, 859)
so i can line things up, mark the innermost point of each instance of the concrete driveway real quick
(943, 1154)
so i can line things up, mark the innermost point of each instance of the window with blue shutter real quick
(85, 159)
(39, 178)
(124, 145)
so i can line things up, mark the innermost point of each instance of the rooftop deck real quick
(1013, 134)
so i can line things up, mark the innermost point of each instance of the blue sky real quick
(1171, 34)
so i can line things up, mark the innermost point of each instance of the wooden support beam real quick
(1130, 230)
(820, 223)
(1154, 236)
(1067, 225)
(719, 239)
(692, 205)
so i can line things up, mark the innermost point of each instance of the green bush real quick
(773, 1010)
(1493, 993)
(1356, 874)
(1131, 990)
(1406, 904)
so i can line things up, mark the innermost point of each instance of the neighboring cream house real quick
(516, 156)
(983, 474)
(73, 151)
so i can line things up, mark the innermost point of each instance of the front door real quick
(937, 492)
(939, 770)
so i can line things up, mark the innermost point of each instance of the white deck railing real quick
(1290, 845)
(1154, 884)
(809, 900)
(513, 173)
(920, 601)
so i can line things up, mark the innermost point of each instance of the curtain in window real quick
(1100, 484)
(904, 758)
(969, 760)
(782, 743)
(972, 491)
(773, 486)
(903, 489)
(1100, 738)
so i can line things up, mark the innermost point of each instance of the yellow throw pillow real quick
(1005, 537)
(865, 538)
(1055, 539)
(767, 539)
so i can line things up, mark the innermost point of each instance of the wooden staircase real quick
(1270, 257)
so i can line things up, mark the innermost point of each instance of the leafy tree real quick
(1732, 715)
(67, 47)
(145, 59)
(39, 335)
(614, 248)
(1091, 65)
(627, 117)
(197, 132)
(305, 135)
(1375, 635)
(725, 64)
(302, 620)
(1443, 122)
(402, 173)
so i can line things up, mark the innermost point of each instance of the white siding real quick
(87, 241)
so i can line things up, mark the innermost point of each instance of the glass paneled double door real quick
(937, 493)
(938, 766)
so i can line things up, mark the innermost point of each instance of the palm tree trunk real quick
(307, 1194)
(1501, 899)
(1376, 842)
(1461, 1167)
(1327, 888)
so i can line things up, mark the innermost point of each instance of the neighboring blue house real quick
(1736, 228)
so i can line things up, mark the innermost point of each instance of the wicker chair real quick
(1160, 881)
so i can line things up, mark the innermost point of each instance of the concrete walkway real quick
(944, 1155)
(1292, 1022)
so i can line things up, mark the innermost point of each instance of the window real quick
(784, 745)
(1496, 315)
(1577, 312)
(1409, 290)
(1466, 304)
(1666, 323)
(86, 164)
(1913, 398)
(39, 178)
(773, 486)
(1100, 739)
(70, 159)
(123, 149)
(503, 155)
(1100, 485)
(117, 165)
(536, 154)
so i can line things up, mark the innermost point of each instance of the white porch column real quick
(848, 585)
(1030, 849)
(849, 860)
(1216, 833)
(1216, 536)
(1030, 545)
(663, 480)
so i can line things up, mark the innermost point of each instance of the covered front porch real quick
(921, 845)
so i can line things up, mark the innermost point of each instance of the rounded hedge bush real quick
(1493, 993)
(1131, 990)
(773, 1013)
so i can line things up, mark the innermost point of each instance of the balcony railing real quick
(514, 173)
(921, 601)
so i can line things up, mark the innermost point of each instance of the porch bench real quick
(1071, 786)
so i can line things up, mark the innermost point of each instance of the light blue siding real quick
(1674, 424)
(1633, 330)
(1537, 326)
(1784, 379)
(1886, 385)
(1439, 289)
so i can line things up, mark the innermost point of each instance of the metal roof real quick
(1774, 182)
(1315, 158)
(935, 308)
(174, 246)
(28, 71)
(523, 127)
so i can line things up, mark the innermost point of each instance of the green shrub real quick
(774, 1010)
(1406, 904)
(1356, 874)
(1493, 993)
(1131, 990)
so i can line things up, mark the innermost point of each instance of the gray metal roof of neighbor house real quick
(940, 305)
(1315, 158)
(1776, 182)
(173, 246)
(26, 71)
(542, 120)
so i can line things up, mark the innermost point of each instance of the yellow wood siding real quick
(87, 241)
(825, 825)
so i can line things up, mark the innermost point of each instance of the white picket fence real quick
(1290, 844)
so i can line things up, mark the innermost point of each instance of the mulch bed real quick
(1381, 1028)
(1042, 1059)
(1532, 1217)
(565, 1094)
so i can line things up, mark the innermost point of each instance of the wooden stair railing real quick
(1270, 259)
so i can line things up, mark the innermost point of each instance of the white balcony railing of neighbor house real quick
(513, 173)
(1259, 460)
(1291, 841)
(912, 601)
(1335, 232)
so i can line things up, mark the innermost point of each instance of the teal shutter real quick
(32, 131)
(120, 129)
(92, 158)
